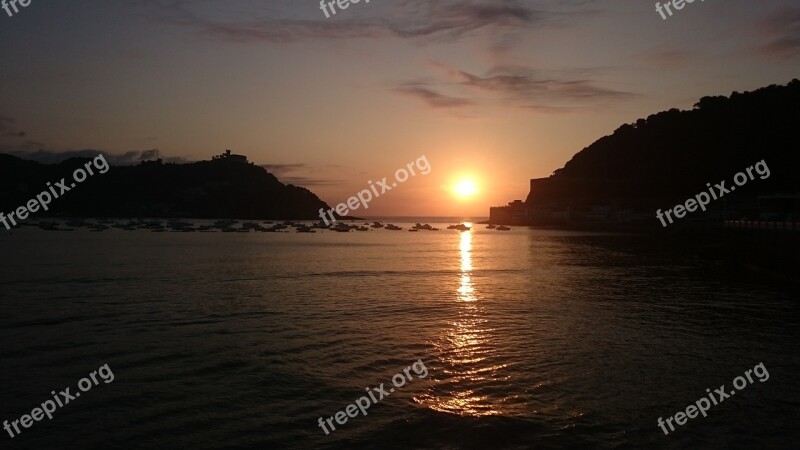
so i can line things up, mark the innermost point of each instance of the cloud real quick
(525, 83)
(454, 19)
(306, 181)
(126, 159)
(282, 168)
(516, 86)
(282, 173)
(782, 31)
(431, 98)
(501, 25)
(8, 129)
(407, 19)
(12, 138)
(37, 151)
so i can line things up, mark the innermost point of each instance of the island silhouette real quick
(228, 186)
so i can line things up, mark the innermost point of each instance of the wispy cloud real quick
(454, 19)
(12, 138)
(408, 19)
(126, 159)
(8, 128)
(430, 97)
(286, 173)
(527, 83)
(781, 30)
(516, 86)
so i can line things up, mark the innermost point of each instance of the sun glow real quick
(465, 188)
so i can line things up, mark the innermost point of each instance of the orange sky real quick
(494, 91)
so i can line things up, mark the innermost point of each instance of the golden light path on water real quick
(465, 290)
(464, 351)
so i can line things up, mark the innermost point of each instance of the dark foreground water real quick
(531, 339)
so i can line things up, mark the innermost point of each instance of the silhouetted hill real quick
(664, 159)
(221, 188)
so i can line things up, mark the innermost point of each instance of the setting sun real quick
(465, 188)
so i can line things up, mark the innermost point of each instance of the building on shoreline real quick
(596, 203)
(229, 157)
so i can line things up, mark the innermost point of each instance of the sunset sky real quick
(493, 91)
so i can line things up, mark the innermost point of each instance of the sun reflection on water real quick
(466, 292)
(465, 351)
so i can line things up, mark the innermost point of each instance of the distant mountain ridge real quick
(226, 187)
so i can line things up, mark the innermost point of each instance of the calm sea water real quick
(533, 339)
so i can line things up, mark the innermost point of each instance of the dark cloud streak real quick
(516, 86)
(432, 98)
(126, 159)
(782, 31)
(8, 129)
(410, 19)
(281, 171)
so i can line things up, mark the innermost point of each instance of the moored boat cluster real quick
(229, 226)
